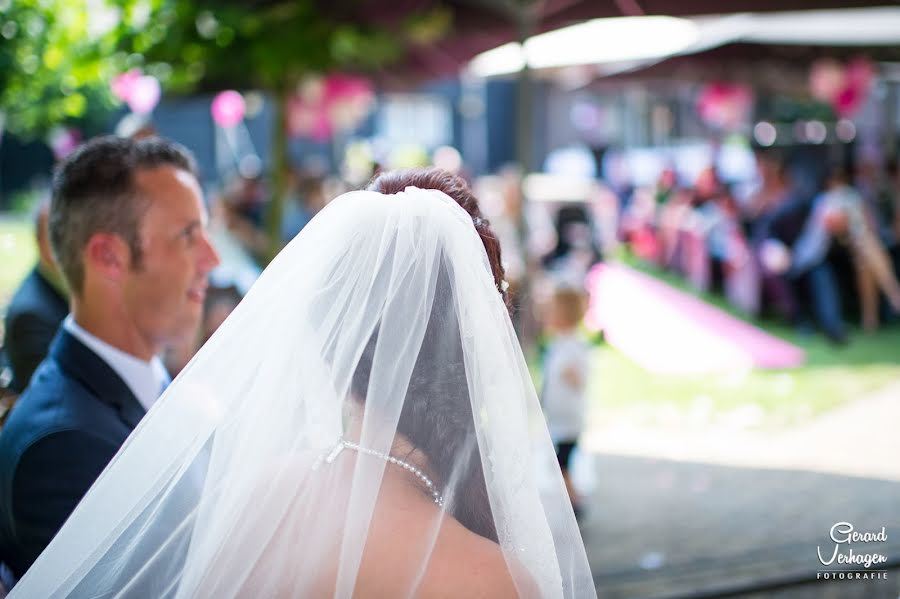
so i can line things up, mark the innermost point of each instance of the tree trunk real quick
(524, 317)
(280, 169)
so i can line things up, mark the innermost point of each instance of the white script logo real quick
(842, 533)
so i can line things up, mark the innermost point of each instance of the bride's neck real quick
(401, 449)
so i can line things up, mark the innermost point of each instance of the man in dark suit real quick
(37, 307)
(128, 229)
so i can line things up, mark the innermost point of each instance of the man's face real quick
(164, 294)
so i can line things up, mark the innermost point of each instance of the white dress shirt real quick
(145, 379)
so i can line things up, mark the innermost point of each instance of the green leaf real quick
(74, 105)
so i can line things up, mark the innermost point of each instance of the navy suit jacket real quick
(61, 434)
(32, 319)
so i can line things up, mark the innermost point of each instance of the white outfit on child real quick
(565, 404)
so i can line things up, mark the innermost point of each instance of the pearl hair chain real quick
(344, 444)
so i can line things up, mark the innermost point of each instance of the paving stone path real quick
(703, 512)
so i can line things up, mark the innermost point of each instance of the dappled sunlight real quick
(18, 252)
(827, 419)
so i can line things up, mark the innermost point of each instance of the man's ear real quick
(108, 255)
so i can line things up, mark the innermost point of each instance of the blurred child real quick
(564, 393)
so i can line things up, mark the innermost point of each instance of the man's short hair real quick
(94, 191)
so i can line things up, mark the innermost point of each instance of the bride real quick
(362, 425)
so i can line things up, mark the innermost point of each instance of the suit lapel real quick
(89, 369)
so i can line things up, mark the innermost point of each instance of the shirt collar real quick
(145, 379)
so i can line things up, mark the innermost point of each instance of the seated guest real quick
(845, 214)
(576, 249)
(127, 226)
(805, 270)
(37, 307)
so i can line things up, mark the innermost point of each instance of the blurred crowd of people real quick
(816, 241)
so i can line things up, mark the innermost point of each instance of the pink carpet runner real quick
(665, 330)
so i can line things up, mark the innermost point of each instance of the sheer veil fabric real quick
(380, 325)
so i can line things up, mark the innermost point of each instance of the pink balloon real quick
(144, 95)
(299, 117)
(308, 120)
(827, 78)
(228, 108)
(860, 73)
(725, 104)
(337, 102)
(339, 86)
(849, 100)
(123, 84)
(64, 141)
(321, 130)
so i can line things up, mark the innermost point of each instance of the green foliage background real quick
(58, 57)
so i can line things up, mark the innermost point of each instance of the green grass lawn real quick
(831, 375)
(18, 253)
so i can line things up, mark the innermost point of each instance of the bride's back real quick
(405, 556)
(412, 548)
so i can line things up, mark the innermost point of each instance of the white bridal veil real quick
(363, 424)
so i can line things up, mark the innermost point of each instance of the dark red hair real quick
(391, 182)
(437, 418)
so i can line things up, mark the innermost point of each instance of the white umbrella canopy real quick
(624, 43)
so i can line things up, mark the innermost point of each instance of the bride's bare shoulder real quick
(467, 565)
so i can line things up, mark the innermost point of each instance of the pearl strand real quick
(343, 444)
